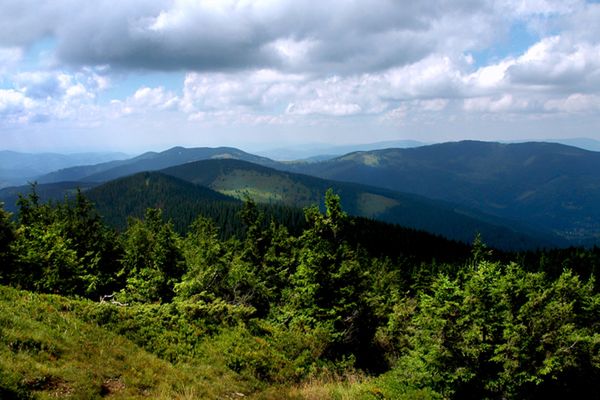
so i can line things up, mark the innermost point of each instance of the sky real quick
(138, 75)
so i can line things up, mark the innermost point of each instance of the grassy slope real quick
(46, 351)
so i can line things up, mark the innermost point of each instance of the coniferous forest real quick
(262, 304)
(299, 200)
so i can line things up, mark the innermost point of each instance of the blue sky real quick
(150, 74)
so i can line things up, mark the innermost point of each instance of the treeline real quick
(181, 203)
(341, 294)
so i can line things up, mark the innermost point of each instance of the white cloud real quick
(539, 7)
(320, 106)
(575, 103)
(556, 61)
(275, 63)
(149, 99)
(489, 78)
(41, 96)
(433, 104)
(13, 102)
(435, 76)
(397, 115)
(504, 103)
(328, 37)
(257, 90)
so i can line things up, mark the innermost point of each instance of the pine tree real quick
(152, 262)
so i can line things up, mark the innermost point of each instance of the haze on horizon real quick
(138, 74)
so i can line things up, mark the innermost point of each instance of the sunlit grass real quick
(47, 352)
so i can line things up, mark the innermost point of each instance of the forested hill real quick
(240, 179)
(552, 187)
(151, 313)
(182, 202)
(150, 161)
(50, 191)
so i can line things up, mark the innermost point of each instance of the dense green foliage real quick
(268, 308)
(62, 248)
(51, 347)
(181, 202)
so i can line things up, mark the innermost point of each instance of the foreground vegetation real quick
(326, 313)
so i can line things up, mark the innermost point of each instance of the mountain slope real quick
(548, 186)
(321, 152)
(46, 192)
(17, 168)
(150, 161)
(181, 201)
(240, 179)
(49, 350)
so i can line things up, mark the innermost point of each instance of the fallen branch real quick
(103, 299)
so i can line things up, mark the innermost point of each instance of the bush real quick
(270, 352)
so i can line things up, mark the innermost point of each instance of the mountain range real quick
(318, 152)
(150, 161)
(241, 179)
(517, 195)
(548, 186)
(18, 168)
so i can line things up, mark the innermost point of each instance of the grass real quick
(371, 205)
(350, 386)
(265, 188)
(46, 352)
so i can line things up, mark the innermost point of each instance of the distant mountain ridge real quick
(171, 188)
(320, 151)
(17, 168)
(181, 201)
(582, 143)
(150, 161)
(545, 190)
(549, 186)
(47, 192)
(239, 178)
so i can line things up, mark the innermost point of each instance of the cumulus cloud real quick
(41, 85)
(145, 100)
(153, 99)
(268, 91)
(13, 103)
(284, 62)
(257, 90)
(555, 61)
(319, 106)
(41, 96)
(575, 103)
(503, 103)
(331, 35)
(26, 21)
